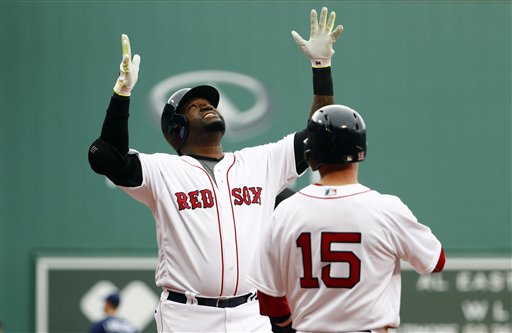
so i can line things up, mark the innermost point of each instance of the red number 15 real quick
(328, 255)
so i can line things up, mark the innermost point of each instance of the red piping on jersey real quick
(218, 224)
(339, 197)
(234, 226)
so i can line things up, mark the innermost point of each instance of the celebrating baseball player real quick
(332, 253)
(209, 206)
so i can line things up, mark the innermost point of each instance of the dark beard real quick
(216, 126)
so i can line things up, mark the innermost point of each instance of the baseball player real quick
(112, 323)
(332, 253)
(209, 206)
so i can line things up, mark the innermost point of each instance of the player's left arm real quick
(319, 50)
(108, 154)
(413, 241)
(278, 311)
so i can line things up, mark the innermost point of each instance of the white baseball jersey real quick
(208, 229)
(335, 252)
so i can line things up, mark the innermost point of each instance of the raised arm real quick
(319, 51)
(108, 155)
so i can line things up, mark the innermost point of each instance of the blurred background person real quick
(112, 323)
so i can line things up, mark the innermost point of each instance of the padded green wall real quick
(431, 78)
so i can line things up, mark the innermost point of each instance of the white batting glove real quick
(128, 70)
(321, 38)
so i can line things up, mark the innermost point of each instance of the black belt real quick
(215, 302)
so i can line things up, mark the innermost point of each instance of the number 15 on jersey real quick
(327, 255)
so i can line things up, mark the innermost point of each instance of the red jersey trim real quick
(234, 226)
(338, 197)
(218, 224)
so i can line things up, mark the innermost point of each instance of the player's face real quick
(202, 116)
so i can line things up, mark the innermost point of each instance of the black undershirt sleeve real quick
(115, 126)
(300, 162)
(108, 155)
(285, 194)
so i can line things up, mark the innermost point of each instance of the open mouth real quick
(209, 115)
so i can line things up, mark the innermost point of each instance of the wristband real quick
(322, 81)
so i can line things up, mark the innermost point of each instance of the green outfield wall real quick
(431, 78)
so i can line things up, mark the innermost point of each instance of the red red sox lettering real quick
(204, 198)
(246, 195)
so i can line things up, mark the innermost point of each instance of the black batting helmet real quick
(174, 125)
(336, 135)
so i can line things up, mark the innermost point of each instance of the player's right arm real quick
(108, 155)
(319, 50)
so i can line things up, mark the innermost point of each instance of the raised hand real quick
(128, 70)
(321, 39)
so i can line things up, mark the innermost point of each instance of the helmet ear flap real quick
(178, 126)
(167, 115)
(174, 127)
(308, 155)
(307, 150)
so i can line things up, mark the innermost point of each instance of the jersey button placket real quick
(228, 232)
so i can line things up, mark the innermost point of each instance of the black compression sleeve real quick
(108, 155)
(115, 125)
(285, 194)
(300, 163)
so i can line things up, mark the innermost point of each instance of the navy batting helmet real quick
(174, 125)
(336, 135)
